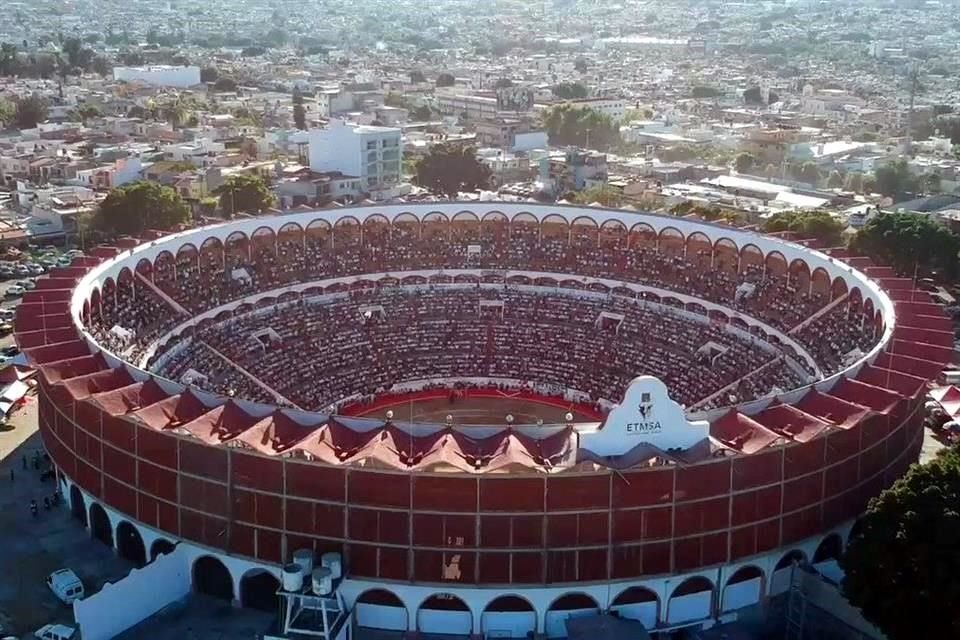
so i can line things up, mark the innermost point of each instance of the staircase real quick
(827, 309)
(162, 295)
(254, 379)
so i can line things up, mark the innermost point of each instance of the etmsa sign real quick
(647, 414)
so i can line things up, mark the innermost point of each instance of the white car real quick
(15, 291)
(65, 585)
(55, 632)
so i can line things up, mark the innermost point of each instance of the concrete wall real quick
(121, 605)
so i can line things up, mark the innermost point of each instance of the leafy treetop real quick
(809, 224)
(902, 561)
(135, 207)
(911, 242)
(450, 169)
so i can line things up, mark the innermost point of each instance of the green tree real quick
(135, 207)
(244, 192)
(744, 162)
(896, 179)
(422, 113)
(901, 565)
(805, 172)
(754, 95)
(416, 77)
(569, 90)
(835, 180)
(703, 91)
(29, 112)
(85, 112)
(299, 112)
(605, 195)
(9, 62)
(580, 65)
(909, 242)
(569, 125)
(446, 80)
(7, 112)
(503, 83)
(449, 169)
(225, 85)
(809, 224)
(853, 182)
(209, 74)
(101, 66)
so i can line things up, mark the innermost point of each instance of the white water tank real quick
(331, 560)
(322, 582)
(292, 577)
(304, 558)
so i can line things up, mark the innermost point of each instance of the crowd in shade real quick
(317, 352)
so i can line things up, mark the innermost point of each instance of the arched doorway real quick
(211, 577)
(508, 617)
(77, 509)
(826, 559)
(638, 603)
(571, 605)
(258, 590)
(743, 588)
(783, 570)
(444, 613)
(159, 548)
(100, 525)
(691, 600)
(381, 609)
(130, 544)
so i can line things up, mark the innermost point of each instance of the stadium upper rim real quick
(600, 219)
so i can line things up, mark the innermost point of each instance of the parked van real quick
(55, 632)
(65, 585)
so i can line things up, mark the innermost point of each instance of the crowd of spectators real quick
(201, 280)
(550, 339)
(317, 353)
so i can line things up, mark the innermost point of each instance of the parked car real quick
(15, 291)
(64, 261)
(36, 269)
(6, 273)
(65, 585)
(7, 315)
(21, 270)
(6, 328)
(27, 284)
(55, 632)
(11, 352)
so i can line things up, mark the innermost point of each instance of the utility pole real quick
(914, 73)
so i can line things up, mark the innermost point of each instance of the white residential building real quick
(159, 75)
(374, 154)
(114, 174)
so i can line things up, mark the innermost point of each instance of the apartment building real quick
(373, 154)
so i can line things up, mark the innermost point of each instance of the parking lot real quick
(35, 547)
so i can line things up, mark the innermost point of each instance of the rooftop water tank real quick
(322, 582)
(331, 560)
(304, 558)
(292, 577)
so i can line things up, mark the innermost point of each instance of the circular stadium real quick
(501, 416)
